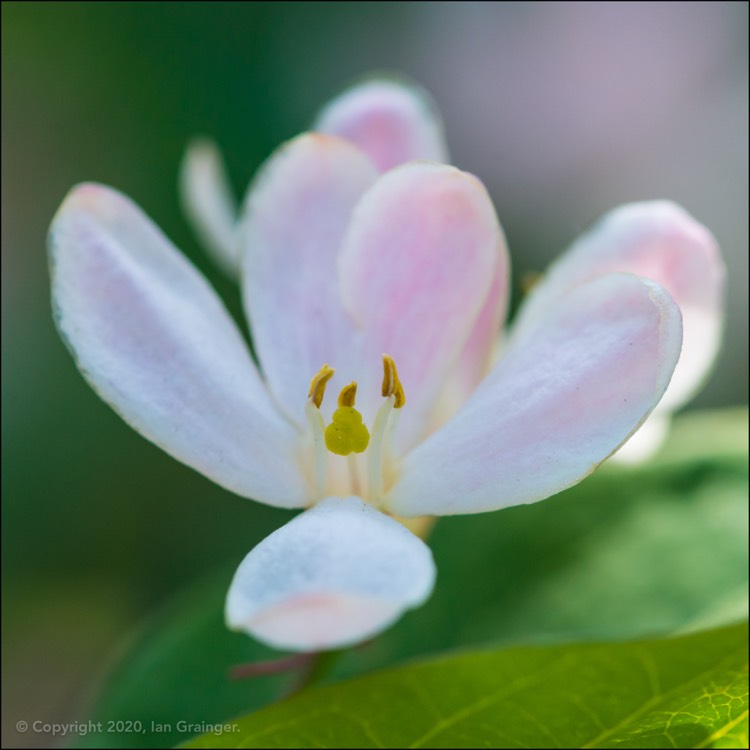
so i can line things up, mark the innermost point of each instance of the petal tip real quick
(393, 119)
(201, 146)
(85, 195)
(94, 199)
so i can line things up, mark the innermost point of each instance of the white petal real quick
(661, 241)
(209, 204)
(295, 216)
(392, 121)
(562, 398)
(336, 575)
(153, 339)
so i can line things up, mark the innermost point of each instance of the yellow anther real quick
(348, 394)
(347, 433)
(391, 383)
(318, 385)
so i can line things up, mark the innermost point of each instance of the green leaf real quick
(735, 735)
(687, 692)
(627, 553)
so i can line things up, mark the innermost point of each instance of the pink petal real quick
(474, 361)
(416, 268)
(661, 241)
(209, 204)
(295, 216)
(566, 394)
(391, 121)
(155, 342)
(337, 574)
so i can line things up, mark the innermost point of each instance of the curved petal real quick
(336, 575)
(416, 269)
(295, 216)
(661, 241)
(561, 400)
(155, 342)
(392, 121)
(208, 203)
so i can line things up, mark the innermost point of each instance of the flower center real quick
(347, 434)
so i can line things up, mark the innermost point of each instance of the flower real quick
(394, 121)
(387, 288)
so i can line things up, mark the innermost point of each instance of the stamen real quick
(347, 433)
(391, 383)
(385, 422)
(317, 427)
(348, 394)
(375, 455)
(318, 385)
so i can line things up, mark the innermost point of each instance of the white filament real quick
(320, 452)
(379, 449)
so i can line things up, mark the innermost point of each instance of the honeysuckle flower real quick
(340, 265)
(395, 121)
(375, 291)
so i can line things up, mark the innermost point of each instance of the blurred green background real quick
(563, 109)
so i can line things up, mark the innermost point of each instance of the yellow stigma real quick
(391, 383)
(347, 433)
(318, 385)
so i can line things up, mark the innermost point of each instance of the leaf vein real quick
(482, 703)
(654, 700)
(719, 733)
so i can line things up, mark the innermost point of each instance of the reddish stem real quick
(273, 666)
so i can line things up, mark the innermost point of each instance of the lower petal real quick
(334, 576)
